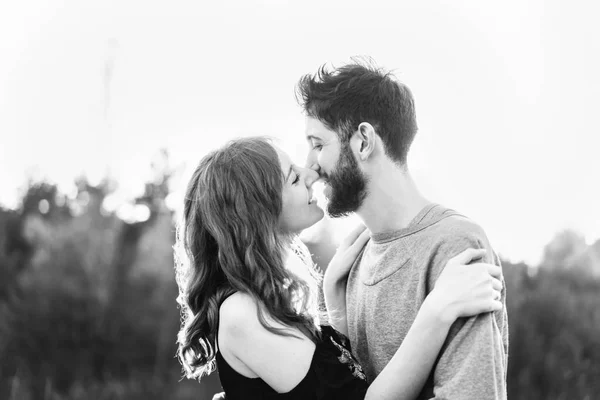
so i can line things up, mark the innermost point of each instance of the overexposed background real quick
(505, 94)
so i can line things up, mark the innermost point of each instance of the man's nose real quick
(311, 162)
(311, 176)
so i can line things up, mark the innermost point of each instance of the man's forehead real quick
(316, 129)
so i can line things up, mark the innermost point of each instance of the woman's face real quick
(300, 209)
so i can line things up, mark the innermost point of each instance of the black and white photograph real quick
(316, 200)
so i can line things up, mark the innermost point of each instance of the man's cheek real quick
(323, 163)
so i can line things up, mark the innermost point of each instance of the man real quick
(360, 123)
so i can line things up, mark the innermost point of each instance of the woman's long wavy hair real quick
(229, 241)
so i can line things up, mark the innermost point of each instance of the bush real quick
(64, 336)
(554, 321)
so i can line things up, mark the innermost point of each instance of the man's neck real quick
(393, 200)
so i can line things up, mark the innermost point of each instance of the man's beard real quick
(348, 185)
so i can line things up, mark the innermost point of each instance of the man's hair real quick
(357, 92)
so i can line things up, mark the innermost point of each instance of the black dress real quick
(334, 374)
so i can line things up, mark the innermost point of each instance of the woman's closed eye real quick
(296, 178)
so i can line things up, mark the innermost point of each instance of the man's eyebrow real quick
(311, 137)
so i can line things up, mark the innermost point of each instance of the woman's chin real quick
(316, 214)
(319, 213)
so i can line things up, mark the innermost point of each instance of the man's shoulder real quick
(453, 234)
(457, 228)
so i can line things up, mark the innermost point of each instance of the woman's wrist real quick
(334, 287)
(439, 310)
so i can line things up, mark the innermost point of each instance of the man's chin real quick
(335, 211)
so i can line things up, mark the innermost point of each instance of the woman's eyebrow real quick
(289, 173)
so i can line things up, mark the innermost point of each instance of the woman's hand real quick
(336, 274)
(339, 266)
(464, 289)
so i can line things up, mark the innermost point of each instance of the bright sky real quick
(505, 94)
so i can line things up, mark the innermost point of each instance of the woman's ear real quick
(365, 138)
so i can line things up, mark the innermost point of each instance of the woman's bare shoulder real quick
(238, 313)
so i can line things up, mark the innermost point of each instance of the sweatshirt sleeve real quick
(473, 361)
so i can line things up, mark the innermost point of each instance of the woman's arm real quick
(336, 276)
(334, 292)
(407, 372)
(461, 290)
(281, 361)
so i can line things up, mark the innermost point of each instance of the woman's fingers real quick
(496, 305)
(353, 235)
(496, 284)
(497, 294)
(360, 242)
(494, 270)
(468, 255)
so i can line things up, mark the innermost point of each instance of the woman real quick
(249, 294)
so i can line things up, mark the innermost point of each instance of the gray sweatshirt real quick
(386, 287)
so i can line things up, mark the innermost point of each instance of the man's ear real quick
(365, 138)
